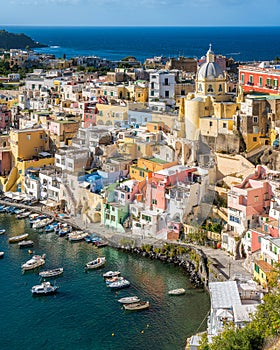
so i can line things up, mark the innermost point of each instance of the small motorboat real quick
(2, 231)
(44, 288)
(141, 305)
(179, 291)
(19, 238)
(23, 215)
(34, 262)
(51, 227)
(119, 284)
(129, 300)
(100, 243)
(25, 244)
(113, 279)
(42, 223)
(96, 263)
(1, 255)
(111, 274)
(51, 273)
(77, 236)
(90, 238)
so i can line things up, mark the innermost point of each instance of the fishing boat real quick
(44, 288)
(110, 274)
(2, 231)
(36, 219)
(15, 239)
(51, 273)
(19, 211)
(51, 227)
(34, 262)
(129, 300)
(100, 244)
(25, 244)
(42, 223)
(96, 263)
(90, 238)
(23, 215)
(141, 305)
(77, 236)
(1, 255)
(119, 284)
(178, 291)
(63, 231)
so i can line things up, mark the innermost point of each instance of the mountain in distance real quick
(17, 41)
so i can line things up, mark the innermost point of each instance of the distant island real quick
(17, 41)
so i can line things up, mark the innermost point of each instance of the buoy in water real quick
(142, 332)
(113, 334)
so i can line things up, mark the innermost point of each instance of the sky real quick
(140, 12)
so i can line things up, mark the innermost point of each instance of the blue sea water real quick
(241, 43)
(85, 313)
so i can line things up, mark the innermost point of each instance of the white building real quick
(162, 89)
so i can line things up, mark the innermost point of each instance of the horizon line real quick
(139, 26)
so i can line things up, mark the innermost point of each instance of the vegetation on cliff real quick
(17, 41)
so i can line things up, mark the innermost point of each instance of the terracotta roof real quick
(264, 266)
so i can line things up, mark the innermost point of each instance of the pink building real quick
(89, 114)
(160, 180)
(249, 200)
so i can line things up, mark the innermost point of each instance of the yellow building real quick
(141, 94)
(145, 168)
(261, 271)
(210, 109)
(114, 115)
(28, 143)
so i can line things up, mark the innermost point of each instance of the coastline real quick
(211, 264)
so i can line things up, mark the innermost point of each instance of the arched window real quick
(210, 88)
(199, 87)
(220, 88)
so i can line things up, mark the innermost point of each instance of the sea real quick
(85, 314)
(115, 43)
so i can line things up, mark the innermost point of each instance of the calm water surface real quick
(85, 313)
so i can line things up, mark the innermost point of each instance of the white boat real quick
(114, 279)
(44, 288)
(119, 284)
(35, 261)
(111, 274)
(129, 300)
(18, 238)
(1, 255)
(96, 263)
(24, 244)
(23, 215)
(178, 291)
(51, 273)
(2, 231)
(42, 223)
(141, 305)
(77, 236)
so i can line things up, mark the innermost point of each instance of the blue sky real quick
(140, 12)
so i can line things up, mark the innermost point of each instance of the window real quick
(166, 94)
(166, 81)
(183, 92)
(210, 88)
(248, 235)
(260, 81)
(276, 83)
(242, 78)
(152, 93)
(210, 123)
(224, 125)
(255, 129)
(256, 199)
(251, 80)
(141, 173)
(105, 93)
(41, 136)
(255, 119)
(254, 139)
(220, 88)
(154, 201)
(200, 87)
(112, 93)
(259, 239)
(28, 137)
(113, 218)
(257, 269)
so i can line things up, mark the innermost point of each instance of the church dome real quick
(210, 70)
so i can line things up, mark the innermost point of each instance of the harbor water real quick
(85, 314)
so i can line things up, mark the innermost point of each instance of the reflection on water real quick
(85, 313)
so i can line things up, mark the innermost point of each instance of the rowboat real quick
(141, 305)
(178, 291)
(25, 244)
(129, 300)
(2, 255)
(2, 231)
(15, 239)
(111, 274)
(51, 273)
(96, 263)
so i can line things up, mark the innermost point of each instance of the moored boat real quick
(23, 215)
(33, 263)
(19, 238)
(2, 255)
(77, 236)
(119, 284)
(51, 273)
(178, 291)
(114, 279)
(96, 263)
(25, 244)
(2, 231)
(100, 243)
(42, 223)
(44, 288)
(129, 300)
(51, 227)
(110, 274)
(141, 305)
